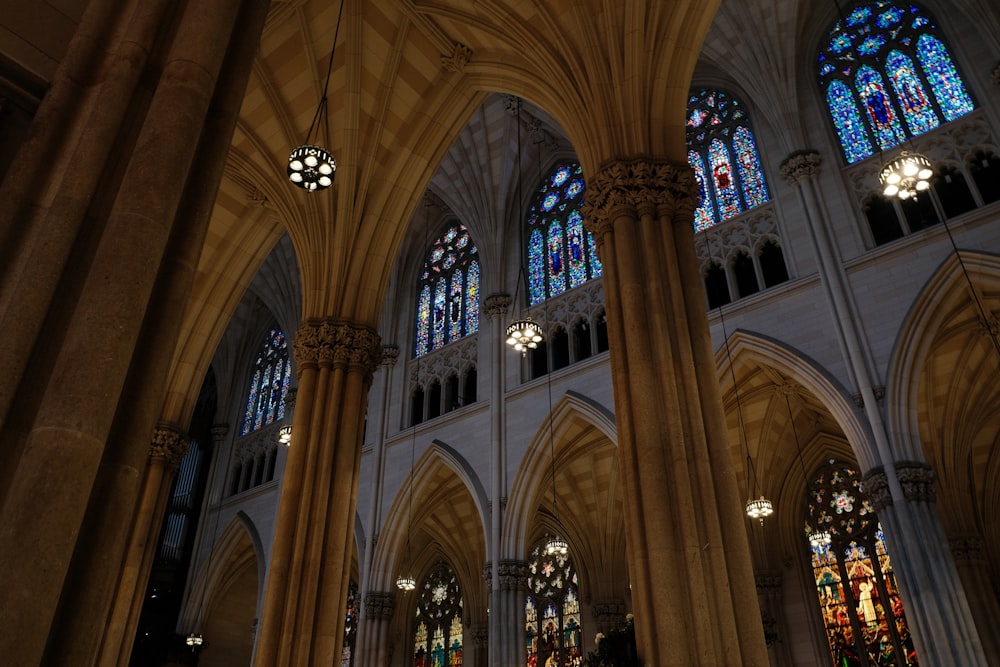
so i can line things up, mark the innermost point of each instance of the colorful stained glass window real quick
(350, 627)
(561, 252)
(859, 602)
(887, 77)
(723, 154)
(272, 376)
(438, 640)
(552, 612)
(448, 292)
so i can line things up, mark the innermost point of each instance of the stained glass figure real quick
(859, 602)
(438, 640)
(887, 77)
(271, 378)
(448, 291)
(723, 154)
(553, 624)
(561, 252)
(350, 627)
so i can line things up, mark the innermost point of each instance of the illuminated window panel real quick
(448, 291)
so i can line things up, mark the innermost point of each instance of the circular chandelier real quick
(405, 582)
(819, 538)
(524, 334)
(194, 639)
(285, 435)
(759, 509)
(556, 546)
(906, 175)
(311, 167)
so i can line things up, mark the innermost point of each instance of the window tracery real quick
(438, 638)
(448, 291)
(269, 383)
(552, 612)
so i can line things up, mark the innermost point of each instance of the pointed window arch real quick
(448, 291)
(887, 76)
(552, 611)
(272, 374)
(561, 253)
(723, 154)
(438, 640)
(860, 604)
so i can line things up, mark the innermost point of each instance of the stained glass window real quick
(448, 293)
(438, 639)
(272, 375)
(860, 604)
(723, 154)
(888, 76)
(561, 253)
(552, 612)
(350, 627)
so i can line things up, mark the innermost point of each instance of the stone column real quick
(379, 607)
(513, 588)
(302, 621)
(772, 613)
(683, 514)
(974, 573)
(480, 644)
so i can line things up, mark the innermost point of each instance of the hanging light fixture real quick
(759, 508)
(310, 166)
(986, 318)
(818, 537)
(523, 333)
(285, 435)
(554, 544)
(906, 176)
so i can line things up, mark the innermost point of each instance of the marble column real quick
(302, 621)
(374, 652)
(513, 589)
(689, 558)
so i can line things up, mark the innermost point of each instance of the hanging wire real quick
(818, 537)
(986, 317)
(197, 639)
(326, 86)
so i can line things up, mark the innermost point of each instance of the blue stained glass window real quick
(723, 154)
(552, 621)
(269, 384)
(888, 78)
(448, 291)
(561, 252)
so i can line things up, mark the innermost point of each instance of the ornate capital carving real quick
(390, 353)
(332, 342)
(480, 636)
(966, 548)
(496, 305)
(767, 581)
(457, 59)
(801, 165)
(379, 605)
(641, 185)
(513, 575)
(917, 480)
(169, 445)
(219, 433)
(609, 613)
(876, 489)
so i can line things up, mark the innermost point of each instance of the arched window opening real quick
(560, 349)
(552, 622)
(717, 286)
(451, 393)
(723, 154)
(561, 253)
(448, 291)
(772, 264)
(417, 406)
(860, 604)
(350, 626)
(539, 360)
(882, 219)
(581, 341)
(985, 170)
(434, 400)
(919, 213)
(438, 640)
(953, 191)
(887, 77)
(269, 383)
(601, 331)
(471, 388)
(745, 275)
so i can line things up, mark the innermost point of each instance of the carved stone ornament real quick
(496, 305)
(169, 445)
(801, 165)
(457, 59)
(390, 353)
(917, 480)
(876, 489)
(609, 613)
(633, 187)
(767, 582)
(481, 636)
(513, 575)
(966, 549)
(379, 605)
(330, 342)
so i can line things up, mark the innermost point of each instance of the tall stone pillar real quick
(379, 607)
(480, 646)
(302, 621)
(689, 559)
(973, 571)
(513, 577)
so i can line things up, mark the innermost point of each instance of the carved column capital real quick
(513, 575)
(169, 445)
(637, 186)
(917, 479)
(379, 605)
(497, 305)
(801, 165)
(332, 342)
(219, 433)
(876, 489)
(480, 636)
(609, 613)
(390, 353)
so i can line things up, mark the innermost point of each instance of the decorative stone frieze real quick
(257, 443)
(801, 165)
(876, 489)
(331, 342)
(497, 305)
(638, 186)
(747, 234)
(453, 359)
(379, 605)
(967, 549)
(169, 445)
(513, 575)
(917, 479)
(457, 59)
(609, 613)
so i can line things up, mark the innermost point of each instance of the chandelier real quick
(760, 509)
(405, 582)
(556, 546)
(819, 538)
(906, 175)
(524, 334)
(193, 640)
(285, 435)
